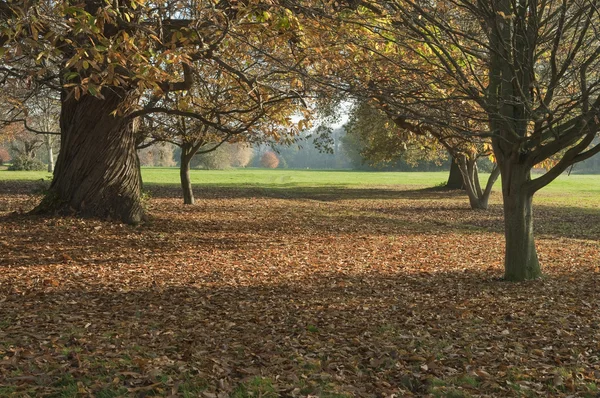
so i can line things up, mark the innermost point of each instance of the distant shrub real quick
(146, 157)
(164, 157)
(269, 160)
(158, 155)
(241, 155)
(219, 159)
(283, 164)
(23, 163)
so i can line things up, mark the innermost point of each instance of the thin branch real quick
(27, 127)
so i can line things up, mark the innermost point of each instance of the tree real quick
(159, 154)
(113, 62)
(4, 155)
(360, 53)
(44, 110)
(29, 122)
(217, 110)
(319, 148)
(23, 147)
(269, 160)
(455, 177)
(385, 140)
(192, 136)
(523, 74)
(217, 159)
(382, 142)
(241, 154)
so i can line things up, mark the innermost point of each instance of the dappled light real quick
(322, 249)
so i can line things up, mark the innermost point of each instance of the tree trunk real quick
(184, 174)
(455, 180)
(520, 260)
(478, 198)
(48, 143)
(96, 172)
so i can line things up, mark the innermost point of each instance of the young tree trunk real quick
(97, 171)
(478, 198)
(184, 173)
(48, 143)
(455, 180)
(520, 260)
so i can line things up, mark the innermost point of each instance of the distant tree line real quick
(344, 152)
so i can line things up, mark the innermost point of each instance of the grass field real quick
(262, 177)
(313, 178)
(567, 190)
(299, 284)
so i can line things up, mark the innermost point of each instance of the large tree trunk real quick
(184, 173)
(520, 260)
(455, 179)
(96, 172)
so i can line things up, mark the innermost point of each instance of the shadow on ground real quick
(367, 293)
(327, 194)
(363, 335)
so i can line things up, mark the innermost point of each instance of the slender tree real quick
(524, 74)
(227, 115)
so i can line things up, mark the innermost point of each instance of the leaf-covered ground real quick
(296, 293)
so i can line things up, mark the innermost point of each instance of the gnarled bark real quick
(97, 171)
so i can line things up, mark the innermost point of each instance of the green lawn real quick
(293, 178)
(586, 188)
(268, 178)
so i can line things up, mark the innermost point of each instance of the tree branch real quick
(27, 127)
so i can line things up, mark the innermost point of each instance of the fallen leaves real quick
(296, 294)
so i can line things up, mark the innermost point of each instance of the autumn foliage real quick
(269, 160)
(332, 292)
(160, 155)
(4, 155)
(241, 155)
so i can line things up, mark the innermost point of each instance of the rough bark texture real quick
(520, 260)
(455, 180)
(184, 174)
(96, 173)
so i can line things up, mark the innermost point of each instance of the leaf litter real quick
(295, 294)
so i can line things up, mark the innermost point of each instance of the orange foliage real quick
(4, 155)
(269, 160)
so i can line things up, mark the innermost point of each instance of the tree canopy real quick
(520, 78)
(523, 74)
(115, 62)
